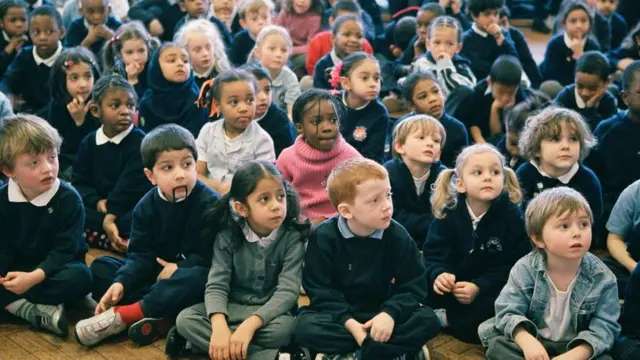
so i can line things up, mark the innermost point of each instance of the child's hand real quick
(496, 31)
(111, 298)
(596, 98)
(577, 47)
(444, 283)
(239, 341)
(531, 347)
(169, 269)
(92, 36)
(133, 70)
(156, 28)
(19, 282)
(443, 56)
(15, 44)
(219, 347)
(104, 32)
(465, 292)
(622, 64)
(381, 327)
(357, 330)
(78, 109)
(503, 102)
(113, 233)
(102, 206)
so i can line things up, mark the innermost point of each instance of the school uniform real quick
(277, 124)
(558, 63)
(111, 169)
(225, 35)
(367, 23)
(58, 116)
(529, 65)
(349, 277)
(200, 79)
(168, 13)
(79, 29)
(38, 3)
(285, 88)
(168, 230)
(457, 137)
(619, 29)
(533, 180)
(483, 50)
(320, 78)
(478, 249)
(167, 102)
(6, 58)
(622, 53)
(411, 198)
(260, 277)
(512, 162)
(44, 233)
(241, 46)
(627, 346)
(28, 77)
(320, 45)
(604, 109)
(365, 128)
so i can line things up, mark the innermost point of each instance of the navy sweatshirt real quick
(46, 237)
(168, 230)
(122, 182)
(351, 277)
(483, 51)
(558, 63)
(77, 32)
(512, 162)
(410, 210)
(5, 58)
(366, 129)
(457, 138)
(602, 31)
(584, 181)
(320, 80)
(59, 117)
(529, 65)
(276, 122)
(241, 47)
(616, 156)
(483, 256)
(606, 107)
(620, 54)
(619, 29)
(29, 80)
(164, 11)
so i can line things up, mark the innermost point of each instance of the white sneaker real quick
(50, 317)
(95, 329)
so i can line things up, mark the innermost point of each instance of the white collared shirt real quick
(37, 4)
(476, 30)
(252, 237)
(334, 57)
(564, 178)
(205, 74)
(49, 62)
(6, 36)
(16, 195)
(101, 137)
(475, 220)
(344, 101)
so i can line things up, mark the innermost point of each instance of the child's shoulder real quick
(594, 269)
(67, 193)
(527, 170)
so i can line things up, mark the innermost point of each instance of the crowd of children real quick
(236, 152)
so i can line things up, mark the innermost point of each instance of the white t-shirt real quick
(557, 315)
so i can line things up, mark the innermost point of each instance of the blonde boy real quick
(560, 300)
(417, 144)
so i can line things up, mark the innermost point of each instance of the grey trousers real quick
(503, 348)
(193, 323)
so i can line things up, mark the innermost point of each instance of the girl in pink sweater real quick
(307, 163)
(302, 18)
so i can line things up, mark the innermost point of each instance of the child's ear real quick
(182, 7)
(243, 23)
(459, 48)
(460, 186)
(240, 209)
(345, 83)
(538, 242)
(5, 170)
(625, 97)
(607, 82)
(331, 21)
(63, 32)
(397, 147)
(299, 128)
(216, 103)
(427, 44)
(150, 176)
(489, 80)
(333, 39)
(345, 211)
(95, 111)
(257, 53)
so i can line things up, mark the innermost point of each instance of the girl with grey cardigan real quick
(255, 276)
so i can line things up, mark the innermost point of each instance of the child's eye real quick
(476, 172)
(555, 138)
(263, 199)
(376, 77)
(564, 226)
(166, 167)
(187, 164)
(272, 48)
(250, 101)
(585, 224)
(131, 106)
(495, 172)
(389, 194)
(573, 139)
(281, 197)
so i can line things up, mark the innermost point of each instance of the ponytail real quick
(444, 195)
(512, 185)
(219, 216)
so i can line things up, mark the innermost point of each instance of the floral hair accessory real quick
(334, 79)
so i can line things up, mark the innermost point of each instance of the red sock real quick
(130, 314)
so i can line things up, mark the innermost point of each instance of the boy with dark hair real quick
(499, 91)
(588, 95)
(202, 10)
(94, 27)
(42, 219)
(27, 78)
(167, 265)
(350, 263)
(270, 117)
(619, 27)
(486, 40)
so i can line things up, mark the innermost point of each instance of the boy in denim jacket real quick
(560, 299)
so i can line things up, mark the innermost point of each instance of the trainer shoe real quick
(176, 343)
(52, 318)
(93, 330)
(148, 330)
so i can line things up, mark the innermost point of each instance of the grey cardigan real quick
(252, 275)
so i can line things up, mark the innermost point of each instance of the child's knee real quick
(187, 318)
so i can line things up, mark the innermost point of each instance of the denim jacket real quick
(522, 302)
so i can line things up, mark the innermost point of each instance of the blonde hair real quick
(248, 6)
(25, 134)
(425, 124)
(205, 27)
(554, 201)
(444, 194)
(267, 31)
(343, 181)
(547, 124)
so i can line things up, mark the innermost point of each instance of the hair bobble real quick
(334, 79)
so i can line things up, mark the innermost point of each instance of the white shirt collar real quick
(476, 30)
(86, 24)
(263, 115)
(37, 4)
(334, 57)
(101, 137)
(475, 220)
(16, 195)
(344, 101)
(564, 178)
(6, 36)
(205, 74)
(49, 62)
(567, 40)
(488, 91)
(252, 237)
(165, 199)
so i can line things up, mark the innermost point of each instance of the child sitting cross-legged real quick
(168, 261)
(363, 276)
(560, 301)
(417, 142)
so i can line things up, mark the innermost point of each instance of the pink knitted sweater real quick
(301, 28)
(307, 169)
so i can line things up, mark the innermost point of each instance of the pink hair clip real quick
(335, 76)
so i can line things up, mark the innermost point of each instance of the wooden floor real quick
(18, 341)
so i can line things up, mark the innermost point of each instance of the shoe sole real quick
(145, 331)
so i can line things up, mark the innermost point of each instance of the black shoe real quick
(175, 343)
(300, 353)
(539, 26)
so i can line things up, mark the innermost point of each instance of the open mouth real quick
(576, 246)
(48, 180)
(180, 193)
